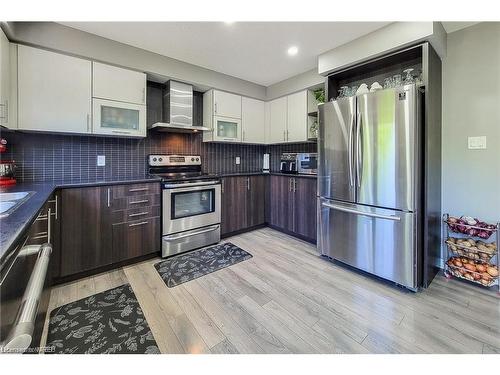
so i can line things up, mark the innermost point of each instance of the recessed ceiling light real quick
(293, 50)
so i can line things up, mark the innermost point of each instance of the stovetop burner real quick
(177, 168)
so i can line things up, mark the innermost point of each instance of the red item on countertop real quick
(3, 145)
(6, 181)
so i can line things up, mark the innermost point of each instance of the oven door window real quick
(192, 203)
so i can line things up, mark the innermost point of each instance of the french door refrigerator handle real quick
(349, 150)
(359, 151)
(352, 211)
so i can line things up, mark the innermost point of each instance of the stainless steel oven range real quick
(191, 206)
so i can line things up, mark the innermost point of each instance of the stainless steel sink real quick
(9, 202)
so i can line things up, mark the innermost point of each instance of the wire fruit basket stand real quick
(472, 250)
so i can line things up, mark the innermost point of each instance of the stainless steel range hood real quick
(178, 109)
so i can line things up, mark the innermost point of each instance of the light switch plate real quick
(238, 160)
(101, 160)
(476, 143)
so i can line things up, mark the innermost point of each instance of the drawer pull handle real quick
(138, 214)
(138, 202)
(138, 189)
(136, 224)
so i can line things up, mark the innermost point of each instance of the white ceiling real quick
(254, 51)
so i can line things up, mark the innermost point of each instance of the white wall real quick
(471, 107)
(65, 39)
(389, 38)
(293, 84)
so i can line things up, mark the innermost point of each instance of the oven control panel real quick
(173, 160)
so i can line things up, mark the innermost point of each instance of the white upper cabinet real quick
(54, 91)
(288, 119)
(226, 104)
(278, 120)
(113, 83)
(222, 114)
(5, 82)
(253, 120)
(297, 117)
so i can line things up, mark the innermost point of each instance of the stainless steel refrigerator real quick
(369, 178)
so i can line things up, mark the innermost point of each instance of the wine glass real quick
(343, 92)
(396, 79)
(388, 83)
(408, 76)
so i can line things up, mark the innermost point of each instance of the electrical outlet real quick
(101, 160)
(238, 160)
(476, 143)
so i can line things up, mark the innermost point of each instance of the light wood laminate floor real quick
(287, 299)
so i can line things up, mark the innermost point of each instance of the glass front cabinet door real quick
(227, 129)
(118, 118)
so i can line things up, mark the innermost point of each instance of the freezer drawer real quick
(375, 240)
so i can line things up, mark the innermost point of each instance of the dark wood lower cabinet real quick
(233, 204)
(305, 209)
(292, 205)
(104, 225)
(281, 202)
(86, 236)
(135, 238)
(242, 203)
(255, 202)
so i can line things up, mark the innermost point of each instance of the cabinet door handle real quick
(215, 107)
(248, 183)
(139, 214)
(109, 197)
(137, 224)
(142, 201)
(294, 185)
(243, 135)
(88, 123)
(289, 184)
(138, 189)
(284, 137)
(222, 186)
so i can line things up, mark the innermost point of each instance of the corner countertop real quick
(267, 174)
(13, 227)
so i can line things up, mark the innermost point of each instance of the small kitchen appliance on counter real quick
(191, 203)
(288, 163)
(299, 163)
(7, 167)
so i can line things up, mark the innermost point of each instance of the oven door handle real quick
(189, 184)
(21, 335)
(175, 237)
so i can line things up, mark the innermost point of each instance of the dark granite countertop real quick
(267, 174)
(12, 227)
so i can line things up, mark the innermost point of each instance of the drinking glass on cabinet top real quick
(388, 83)
(408, 80)
(396, 80)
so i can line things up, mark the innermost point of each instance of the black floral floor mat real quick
(189, 266)
(107, 322)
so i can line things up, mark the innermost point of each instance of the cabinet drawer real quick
(132, 214)
(136, 189)
(136, 238)
(138, 201)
